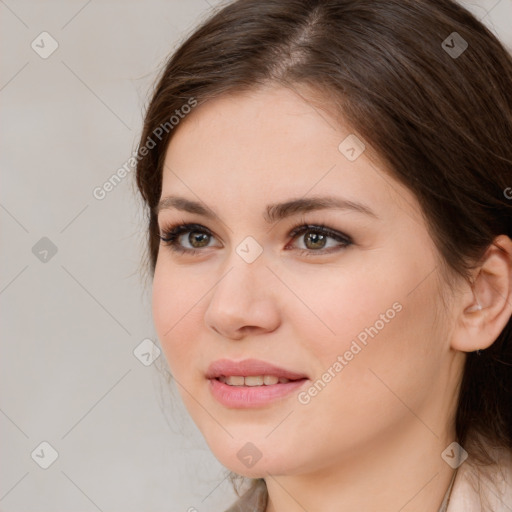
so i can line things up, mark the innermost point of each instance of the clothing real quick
(254, 500)
(484, 490)
(491, 491)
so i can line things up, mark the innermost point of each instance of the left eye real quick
(198, 237)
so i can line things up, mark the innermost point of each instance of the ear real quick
(486, 304)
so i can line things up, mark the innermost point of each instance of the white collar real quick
(488, 488)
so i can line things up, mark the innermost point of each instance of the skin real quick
(372, 438)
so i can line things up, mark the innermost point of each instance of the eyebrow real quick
(273, 212)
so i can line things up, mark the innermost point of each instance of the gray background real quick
(72, 320)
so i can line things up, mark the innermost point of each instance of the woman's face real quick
(361, 321)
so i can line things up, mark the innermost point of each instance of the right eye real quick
(171, 235)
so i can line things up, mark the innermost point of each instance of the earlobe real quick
(486, 306)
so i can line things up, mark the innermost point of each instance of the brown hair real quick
(441, 121)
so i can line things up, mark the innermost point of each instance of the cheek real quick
(163, 301)
(175, 314)
(371, 323)
(369, 392)
(338, 304)
(385, 355)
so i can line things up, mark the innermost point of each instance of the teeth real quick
(253, 380)
(234, 381)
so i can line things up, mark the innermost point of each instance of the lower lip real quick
(242, 397)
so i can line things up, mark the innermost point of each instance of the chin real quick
(248, 460)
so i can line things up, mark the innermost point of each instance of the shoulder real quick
(487, 488)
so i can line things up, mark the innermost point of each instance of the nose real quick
(244, 300)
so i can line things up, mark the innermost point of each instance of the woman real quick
(328, 193)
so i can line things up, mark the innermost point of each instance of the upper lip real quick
(247, 367)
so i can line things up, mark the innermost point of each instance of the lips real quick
(249, 367)
(222, 375)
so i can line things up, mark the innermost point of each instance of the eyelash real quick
(170, 235)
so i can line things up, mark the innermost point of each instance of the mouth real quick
(236, 396)
(251, 383)
(254, 372)
(254, 380)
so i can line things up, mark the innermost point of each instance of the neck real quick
(402, 472)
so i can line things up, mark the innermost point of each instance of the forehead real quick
(270, 144)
